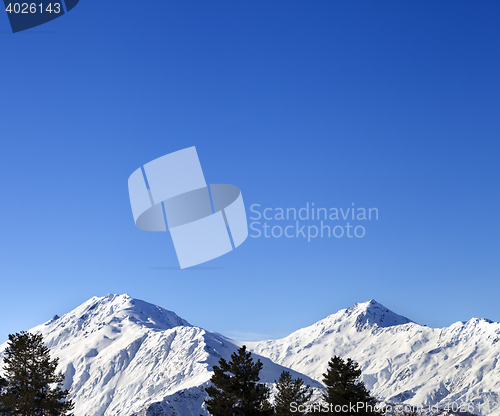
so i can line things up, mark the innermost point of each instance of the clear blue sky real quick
(386, 104)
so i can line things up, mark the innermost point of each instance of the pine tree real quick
(345, 392)
(32, 386)
(3, 384)
(235, 390)
(290, 391)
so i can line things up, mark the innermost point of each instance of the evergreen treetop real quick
(236, 390)
(292, 395)
(345, 391)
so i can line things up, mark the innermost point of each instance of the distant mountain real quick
(126, 357)
(401, 360)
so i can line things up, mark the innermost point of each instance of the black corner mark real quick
(70, 4)
(25, 15)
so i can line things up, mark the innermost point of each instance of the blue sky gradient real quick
(393, 105)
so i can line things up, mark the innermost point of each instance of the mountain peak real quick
(401, 361)
(373, 313)
(136, 310)
(124, 356)
(116, 311)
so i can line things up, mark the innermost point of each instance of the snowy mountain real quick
(401, 360)
(126, 357)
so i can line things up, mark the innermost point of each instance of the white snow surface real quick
(401, 360)
(126, 357)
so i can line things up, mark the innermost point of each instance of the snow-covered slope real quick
(123, 356)
(126, 357)
(401, 360)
